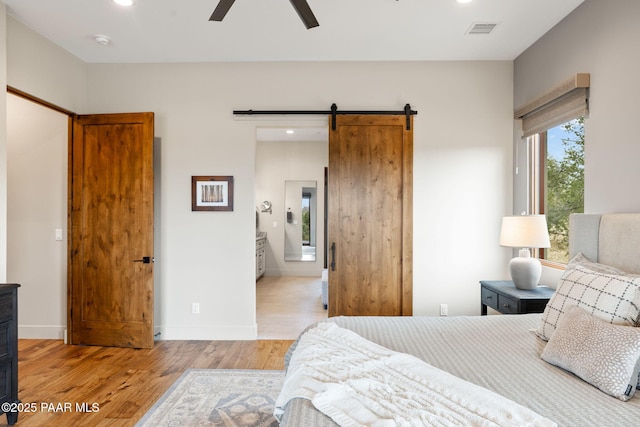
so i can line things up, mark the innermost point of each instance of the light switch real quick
(59, 234)
(275, 224)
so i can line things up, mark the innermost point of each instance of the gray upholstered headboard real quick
(612, 239)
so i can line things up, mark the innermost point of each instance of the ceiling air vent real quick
(481, 28)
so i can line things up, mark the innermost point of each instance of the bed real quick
(503, 354)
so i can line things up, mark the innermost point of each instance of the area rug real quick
(218, 397)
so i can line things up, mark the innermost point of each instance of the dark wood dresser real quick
(9, 402)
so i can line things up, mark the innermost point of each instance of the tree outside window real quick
(562, 183)
(306, 219)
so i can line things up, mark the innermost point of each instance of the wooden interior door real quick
(370, 216)
(110, 295)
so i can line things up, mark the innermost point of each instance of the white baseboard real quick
(234, 333)
(42, 332)
(240, 333)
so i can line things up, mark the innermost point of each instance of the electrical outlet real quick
(195, 308)
(444, 309)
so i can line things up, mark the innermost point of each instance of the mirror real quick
(301, 203)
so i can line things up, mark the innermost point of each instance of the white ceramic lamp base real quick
(525, 270)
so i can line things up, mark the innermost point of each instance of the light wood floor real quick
(124, 383)
(287, 305)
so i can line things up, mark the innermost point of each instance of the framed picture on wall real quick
(211, 193)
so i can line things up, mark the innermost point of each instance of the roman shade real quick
(567, 101)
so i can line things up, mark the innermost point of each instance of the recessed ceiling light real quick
(463, 1)
(290, 131)
(124, 2)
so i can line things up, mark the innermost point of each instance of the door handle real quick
(145, 260)
(333, 256)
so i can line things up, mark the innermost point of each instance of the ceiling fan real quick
(301, 6)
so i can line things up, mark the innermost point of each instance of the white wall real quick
(276, 162)
(3, 145)
(37, 140)
(600, 38)
(40, 68)
(462, 166)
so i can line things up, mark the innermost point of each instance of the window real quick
(557, 182)
(306, 219)
(553, 125)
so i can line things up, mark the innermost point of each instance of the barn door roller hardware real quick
(334, 112)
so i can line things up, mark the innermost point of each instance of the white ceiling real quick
(269, 30)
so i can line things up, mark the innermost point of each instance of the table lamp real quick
(525, 232)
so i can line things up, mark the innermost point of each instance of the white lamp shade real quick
(524, 231)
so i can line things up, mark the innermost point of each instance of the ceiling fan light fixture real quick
(221, 10)
(301, 7)
(304, 12)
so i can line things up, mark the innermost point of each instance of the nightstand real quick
(503, 296)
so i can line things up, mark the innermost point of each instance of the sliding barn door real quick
(111, 231)
(370, 216)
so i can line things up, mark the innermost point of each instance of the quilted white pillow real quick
(614, 298)
(582, 261)
(606, 356)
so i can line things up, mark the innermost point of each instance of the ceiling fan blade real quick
(221, 10)
(305, 13)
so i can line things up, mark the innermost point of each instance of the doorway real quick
(290, 165)
(37, 139)
(38, 177)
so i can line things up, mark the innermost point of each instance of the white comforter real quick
(359, 383)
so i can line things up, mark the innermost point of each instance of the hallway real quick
(286, 305)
